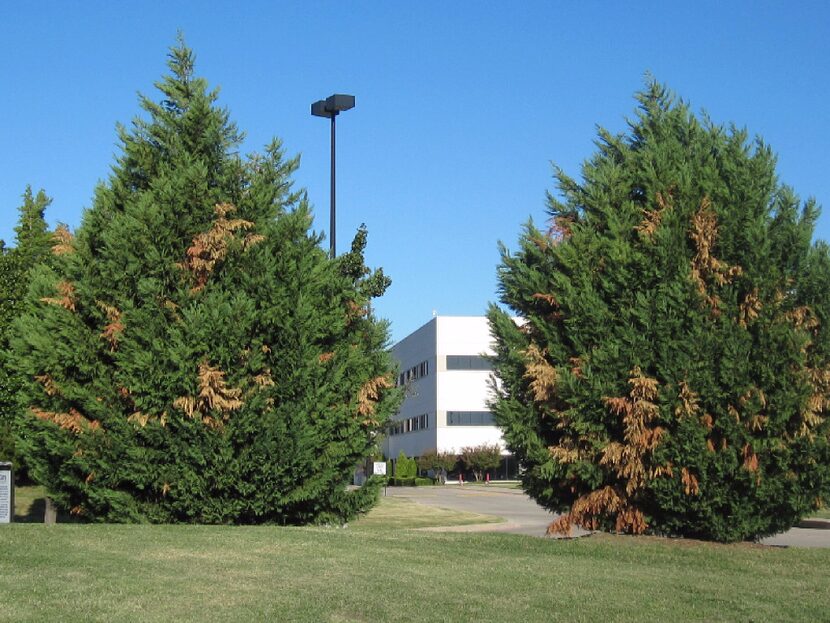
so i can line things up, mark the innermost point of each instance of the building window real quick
(419, 422)
(468, 362)
(414, 373)
(470, 418)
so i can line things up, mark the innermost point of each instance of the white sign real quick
(5, 495)
(379, 468)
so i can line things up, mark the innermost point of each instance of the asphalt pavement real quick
(524, 516)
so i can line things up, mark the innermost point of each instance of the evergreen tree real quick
(32, 245)
(194, 355)
(672, 372)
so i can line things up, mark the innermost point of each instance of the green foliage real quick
(439, 462)
(671, 374)
(480, 459)
(33, 242)
(405, 467)
(194, 355)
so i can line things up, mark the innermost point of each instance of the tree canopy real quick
(671, 371)
(194, 355)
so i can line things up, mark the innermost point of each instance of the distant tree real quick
(194, 355)
(405, 467)
(32, 246)
(672, 371)
(480, 459)
(439, 462)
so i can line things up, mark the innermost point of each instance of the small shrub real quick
(405, 467)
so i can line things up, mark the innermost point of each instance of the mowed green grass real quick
(368, 572)
(400, 513)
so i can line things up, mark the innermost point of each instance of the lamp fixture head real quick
(332, 105)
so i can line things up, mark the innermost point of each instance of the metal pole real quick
(333, 211)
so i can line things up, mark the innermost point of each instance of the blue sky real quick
(461, 107)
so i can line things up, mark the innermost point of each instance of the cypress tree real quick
(194, 355)
(672, 371)
(32, 244)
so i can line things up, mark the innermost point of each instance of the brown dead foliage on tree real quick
(214, 396)
(368, 396)
(66, 298)
(211, 247)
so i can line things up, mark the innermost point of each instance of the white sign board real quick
(6, 494)
(379, 468)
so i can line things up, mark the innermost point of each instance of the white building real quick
(447, 385)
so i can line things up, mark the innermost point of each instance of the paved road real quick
(523, 516)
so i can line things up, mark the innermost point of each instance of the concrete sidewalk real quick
(524, 516)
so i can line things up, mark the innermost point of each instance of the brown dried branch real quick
(690, 484)
(547, 298)
(112, 332)
(369, 395)
(749, 308)
(652, 218)
(214, 395)
(67, 296)
(62, 239)
(49, 386)
(803, 317)
(542, 375)
(211, 247)
(629, 459)
(750, 458)
(566, 451)
(186, 404)
(689, 401)
(72, 421)
(706, 266)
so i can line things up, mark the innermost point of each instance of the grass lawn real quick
(371, 572)
(400, 513)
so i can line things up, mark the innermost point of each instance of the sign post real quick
(379, 469)
(6, 493)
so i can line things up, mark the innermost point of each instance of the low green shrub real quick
(405, 467)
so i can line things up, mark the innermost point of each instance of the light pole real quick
(331, 107)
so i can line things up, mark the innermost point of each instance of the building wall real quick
(463, 390)
(421, 393)
(444, 390)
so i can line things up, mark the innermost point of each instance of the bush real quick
(422, 482)
(405, 467)
(672, 374)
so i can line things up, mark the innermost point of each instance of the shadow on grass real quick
(34, 513)
(30, 506)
